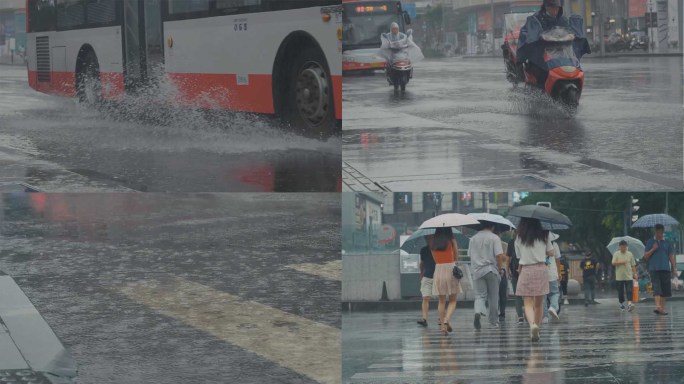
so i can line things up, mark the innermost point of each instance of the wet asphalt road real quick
(81, 257)
(599, 344)
(55, 145)
(461, 125)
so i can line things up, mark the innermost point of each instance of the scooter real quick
(638, 44)
(565, 80)
(399, 67)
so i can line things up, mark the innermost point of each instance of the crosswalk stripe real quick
(331, 270)
(443, 370)
(549, 360)
(302, 345)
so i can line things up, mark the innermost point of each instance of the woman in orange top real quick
(445, 252)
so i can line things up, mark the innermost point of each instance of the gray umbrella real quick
(551, 219)
(649, 221)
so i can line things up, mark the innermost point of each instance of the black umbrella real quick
(551, 219)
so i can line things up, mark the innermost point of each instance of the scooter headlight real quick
(568, 69)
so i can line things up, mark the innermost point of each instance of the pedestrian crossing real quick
(307, 347)
(584, 338)
(331, 270)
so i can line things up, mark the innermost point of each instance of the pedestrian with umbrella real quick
(625, 266)
(444, 250)
(486, 260)
(427, 272)
(533, 246)
(660, 256)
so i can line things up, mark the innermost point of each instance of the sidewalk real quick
(6, 60)
(603, 297)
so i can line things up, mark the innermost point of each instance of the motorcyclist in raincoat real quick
(394, 34)
(548, 17)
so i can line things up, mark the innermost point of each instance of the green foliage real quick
(598, 217)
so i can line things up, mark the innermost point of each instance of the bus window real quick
(101, 12)
(188, 6)
(70, 14)
(41, 15)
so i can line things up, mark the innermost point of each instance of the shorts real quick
(662, 284)
(426, 285)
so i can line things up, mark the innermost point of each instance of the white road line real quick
(302, 345)
(331, 270)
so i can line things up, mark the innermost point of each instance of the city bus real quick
(363, 22)
(280, 57)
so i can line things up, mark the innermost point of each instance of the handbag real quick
(458, 274)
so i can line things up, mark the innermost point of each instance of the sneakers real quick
(566, 302)
(521, 320)
(586, 303)
(477, 323)
(534, 332)
(622, 307)
(630, 307)
(422, 322)
(554, 314)
(545, 320)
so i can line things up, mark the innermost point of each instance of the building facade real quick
(12, 29)
(467, 25)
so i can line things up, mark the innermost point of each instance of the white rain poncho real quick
(400, 46)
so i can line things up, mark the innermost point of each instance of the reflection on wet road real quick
(164, 288)
(56, 145)
(599, 344)
(462, 125)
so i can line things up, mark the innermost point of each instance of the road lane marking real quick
(331, 270)
(302, 345)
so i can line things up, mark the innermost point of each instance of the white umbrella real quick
(449, 220)
(633, 245)
(492, 218)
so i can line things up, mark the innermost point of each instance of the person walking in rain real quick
(444, 249)
(427, 272)
(486, 260)
(551, 306)
(625, 274)
(589, 271)
(532, 246)
(513, 264)
(662, 267)
(564, 276)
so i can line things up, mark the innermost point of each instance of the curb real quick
(405, 305)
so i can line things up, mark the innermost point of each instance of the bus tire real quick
(88, 83)
(309, 103)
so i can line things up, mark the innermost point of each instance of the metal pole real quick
(667, 201)
(601, 26)
(491, 3)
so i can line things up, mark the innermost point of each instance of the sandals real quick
(444, 329)
(448, 327)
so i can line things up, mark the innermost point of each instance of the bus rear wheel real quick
(89, 85)
(310, 104)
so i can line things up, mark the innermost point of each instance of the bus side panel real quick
(226, 62)
(64, 49)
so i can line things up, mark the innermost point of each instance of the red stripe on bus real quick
(112, 85)
(64, 84)
(221, 91)
(337, 95)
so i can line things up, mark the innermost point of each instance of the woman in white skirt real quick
(532, 246)
(445, 252)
